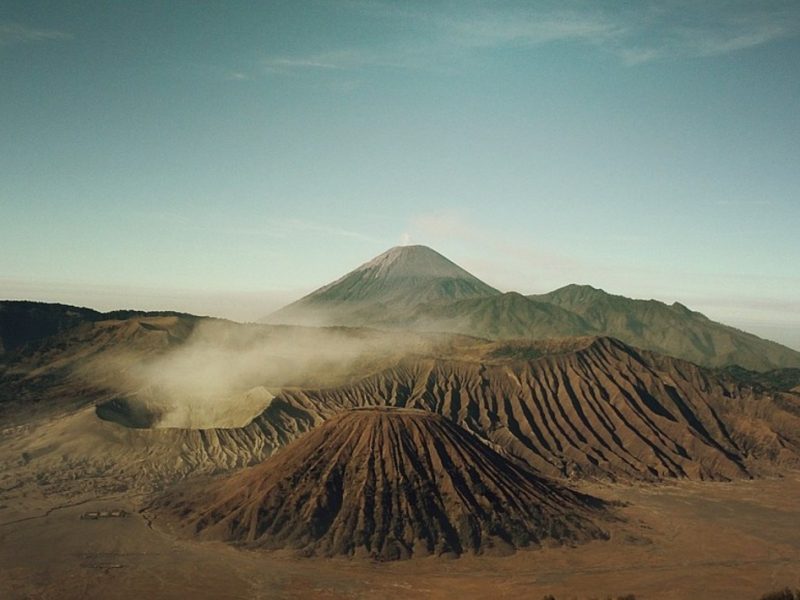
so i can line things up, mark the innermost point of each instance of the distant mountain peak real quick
(385, 288)
(413, 261)
(582, 289)
(415, 287)
(406, 265)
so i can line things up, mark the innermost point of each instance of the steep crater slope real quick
(579, 408)
(601, 410)
(569, 408)
(388, 484)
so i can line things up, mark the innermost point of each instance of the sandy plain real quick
(675, 541)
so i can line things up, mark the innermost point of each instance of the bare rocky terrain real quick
(386, 483)
(716, 541)
(594, 408)
(581, 408)
(161, 455)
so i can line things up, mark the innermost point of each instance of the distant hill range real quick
(671, 329)
(24, 323)
(415, 287)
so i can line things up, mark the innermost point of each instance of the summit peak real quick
(387, 286)
(413, 261)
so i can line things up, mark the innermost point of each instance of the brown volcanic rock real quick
(593, 408)
(387, 483)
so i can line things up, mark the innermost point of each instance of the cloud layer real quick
(641, 33)
(13, 33)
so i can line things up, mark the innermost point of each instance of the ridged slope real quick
(646, 416)
(582, 408)
(603, 411)
(387, 483)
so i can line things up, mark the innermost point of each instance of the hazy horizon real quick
(226, 160)
(252, 306)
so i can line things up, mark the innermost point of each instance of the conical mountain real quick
(385, 290)
(386, 483)
(671, 329)
(416, 288)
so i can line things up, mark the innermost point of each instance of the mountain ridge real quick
(27, 322)
(672, 329)
(416, 288)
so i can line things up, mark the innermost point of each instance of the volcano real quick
(387, 483)
(385, 290)
(416, 288)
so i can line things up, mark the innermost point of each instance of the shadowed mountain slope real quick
(670, 329)
(385, 290)
(387, 484)
(24, 323)
(84, 361)
(781, 380)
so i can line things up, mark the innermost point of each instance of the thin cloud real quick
(440, 39)
(639, 34)
(638, 56)
(272, 228)
(397, 55)
(302, 63)
(13, 33)
(310, 226)
(510, 29)
(705, 30)
(431, 38)
(733, 42)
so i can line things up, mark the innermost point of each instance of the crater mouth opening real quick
(129, 412)
(154, 409)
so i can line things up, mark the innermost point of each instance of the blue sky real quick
(225, 158)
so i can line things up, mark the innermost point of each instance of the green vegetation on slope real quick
(670, 329)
